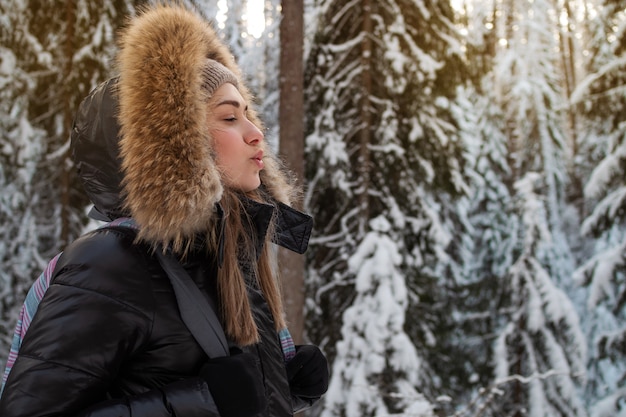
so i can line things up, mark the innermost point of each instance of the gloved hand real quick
(307, 372)
(236, 384)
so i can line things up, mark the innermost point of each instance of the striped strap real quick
(27, 312)
(286, 342)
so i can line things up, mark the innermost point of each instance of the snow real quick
(604, 173)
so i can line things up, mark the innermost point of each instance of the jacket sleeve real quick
(81, 336)
(184, 398)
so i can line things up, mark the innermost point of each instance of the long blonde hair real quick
(239, 251)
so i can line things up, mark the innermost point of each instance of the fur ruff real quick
(171, 182)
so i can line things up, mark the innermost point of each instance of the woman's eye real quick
(230, 119)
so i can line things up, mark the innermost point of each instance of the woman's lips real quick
(258, 159)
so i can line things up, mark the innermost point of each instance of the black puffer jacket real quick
(109, 328)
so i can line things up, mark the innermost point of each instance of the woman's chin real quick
(246, 186)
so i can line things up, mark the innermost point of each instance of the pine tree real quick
(485, 234)
(600, 97)
(527, 77)
(492, 241)
(522, 262)
(390, 357)
(381, 144)
(539, 355)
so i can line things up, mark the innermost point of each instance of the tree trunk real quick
(365, 115)
(70, 21)
(291, 149)
(569, 68)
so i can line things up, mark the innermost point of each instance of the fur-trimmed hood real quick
(140, 140)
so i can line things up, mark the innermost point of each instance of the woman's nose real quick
(253, 135)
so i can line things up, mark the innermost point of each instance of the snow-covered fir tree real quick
(375, 350)
(486, 245)
(600, 97)
(539, 355)
(527, 85)
(520, 118)
(540, 333)
(492, 238)
(381, 144)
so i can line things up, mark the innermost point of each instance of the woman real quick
(173, 150)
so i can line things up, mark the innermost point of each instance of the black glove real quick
(307, 372)
(236, 384)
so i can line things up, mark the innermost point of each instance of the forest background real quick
(464, 163)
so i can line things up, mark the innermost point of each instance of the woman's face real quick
(239, 154)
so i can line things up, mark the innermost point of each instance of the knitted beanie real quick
(214, 75)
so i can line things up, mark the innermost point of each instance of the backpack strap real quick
(287, 344)
(197, 314)
(27, 312)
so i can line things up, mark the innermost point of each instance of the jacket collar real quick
(293, 227)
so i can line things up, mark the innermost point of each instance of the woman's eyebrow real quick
(233, 103)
